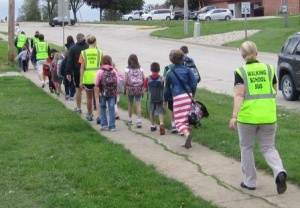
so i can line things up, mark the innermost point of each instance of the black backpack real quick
(155, 90)
(188, 62)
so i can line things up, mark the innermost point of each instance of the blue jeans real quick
(20, 59)
(110, 103)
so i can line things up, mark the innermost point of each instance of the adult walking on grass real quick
(73, 67)
(91, 61)
(254, 111)
(179, 82)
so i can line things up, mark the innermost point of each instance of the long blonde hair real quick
(249, 51)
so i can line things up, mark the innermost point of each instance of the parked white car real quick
(134, 15)
(216, 14)
(158, 14)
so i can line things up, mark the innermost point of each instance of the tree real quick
(192, 4)
(75, 6)
(122, 6)
(50, 8)
(29, 11)
(101, 4)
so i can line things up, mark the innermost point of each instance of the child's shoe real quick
(153, 128)
(162, 130)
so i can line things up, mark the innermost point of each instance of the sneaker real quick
(71, 98)
(117, 117)
(173, 129)
(67, 97)
(77, 110)
(162, 130)
(139, 124)
(129, 122)
(153, 128)
(89, 118)
(112, 129)
(98, 120)
(43, 85)
(247, 187)
(281, 182)
(103, 128)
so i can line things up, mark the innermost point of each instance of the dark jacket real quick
(72, 65)
(69, 45)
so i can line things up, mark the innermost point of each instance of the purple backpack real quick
(135, 82)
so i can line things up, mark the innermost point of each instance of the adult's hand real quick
(232, 123)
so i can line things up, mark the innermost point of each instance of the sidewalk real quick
(207, 173)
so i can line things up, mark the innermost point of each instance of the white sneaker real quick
(113, 129)
(139, 124)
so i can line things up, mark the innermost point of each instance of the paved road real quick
(215, 63)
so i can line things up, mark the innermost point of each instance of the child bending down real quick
(154, 86)
(24, 57)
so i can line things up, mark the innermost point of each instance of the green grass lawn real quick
(50, 157)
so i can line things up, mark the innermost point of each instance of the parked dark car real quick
(193, 15)
(59, 21)
(288, 68)
(178, 15)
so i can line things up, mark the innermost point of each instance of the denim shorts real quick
(134, 98)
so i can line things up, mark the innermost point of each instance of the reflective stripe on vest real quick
(21, 40)
(41, 50)
(92, 59)
(259, 104)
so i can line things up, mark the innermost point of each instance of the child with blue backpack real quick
(154, 85)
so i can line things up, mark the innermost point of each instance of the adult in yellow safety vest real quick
(254, 112)
(91, 61)
(20, 41)
(34, 41)
(40, 52)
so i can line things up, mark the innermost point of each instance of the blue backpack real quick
(188, 62)
(155, 90)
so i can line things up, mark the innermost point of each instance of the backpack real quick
(188, 62)
(108, 83)
(197, 111)
(135, 82)
(155, 90)
(121, 84)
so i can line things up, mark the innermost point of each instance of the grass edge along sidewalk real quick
(51, 158)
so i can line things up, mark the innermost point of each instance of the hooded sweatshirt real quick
(72, 65)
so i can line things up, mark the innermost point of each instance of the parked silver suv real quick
(134, 15)
(288, 68)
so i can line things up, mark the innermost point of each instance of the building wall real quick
(271, 7)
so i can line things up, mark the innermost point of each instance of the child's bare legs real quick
(138, 109)
(116, 107)
(130, 108)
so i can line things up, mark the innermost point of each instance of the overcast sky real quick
(84, 14)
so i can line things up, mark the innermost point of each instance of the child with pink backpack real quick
(133, 85)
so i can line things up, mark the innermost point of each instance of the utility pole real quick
(285, 10)
(186, 22)
(11, 29)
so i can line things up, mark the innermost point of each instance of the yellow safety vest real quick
(41, 50)
(21, 40)
(35, 40)
(92, 62)
(259, 105)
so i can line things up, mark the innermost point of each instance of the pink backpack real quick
(135, 82)
(108, 83)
